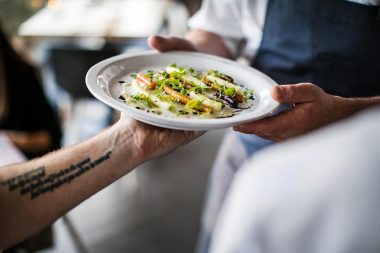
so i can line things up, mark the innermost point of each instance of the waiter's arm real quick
(36, 193)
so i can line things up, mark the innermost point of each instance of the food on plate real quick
(179, 91)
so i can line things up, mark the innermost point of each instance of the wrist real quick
(130, 141)
(350, 106)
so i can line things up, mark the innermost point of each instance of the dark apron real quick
(334, 44)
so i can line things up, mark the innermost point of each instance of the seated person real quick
(25, 114)
(26, 117)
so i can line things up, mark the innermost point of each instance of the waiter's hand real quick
(164, 44)
(195, 41)
(312, 108)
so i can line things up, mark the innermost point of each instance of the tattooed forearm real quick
(36, 182)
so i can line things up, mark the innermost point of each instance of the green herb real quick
(165, 75)
(194, 104)
(229, 92)
(177, 75)
(182, 71)
(196, 89)
(248, 94)
(172, 108)
(143, 99)
(150, 74)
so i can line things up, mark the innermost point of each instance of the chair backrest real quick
(70, 66)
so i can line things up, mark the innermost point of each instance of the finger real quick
(163, 44)
(275, 128)
(256, 127)
(296, 93)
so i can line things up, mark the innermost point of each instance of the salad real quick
(178, 91)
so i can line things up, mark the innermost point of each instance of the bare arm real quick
(36, 193)
(195, 40)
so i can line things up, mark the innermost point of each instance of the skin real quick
(195, 40)
(111, 154)
(312, 107)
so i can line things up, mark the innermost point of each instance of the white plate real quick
(102, 81)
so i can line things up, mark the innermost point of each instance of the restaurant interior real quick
(156, 208)
(316, 191)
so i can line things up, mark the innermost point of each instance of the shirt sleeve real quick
(222, 17)
(318, 193)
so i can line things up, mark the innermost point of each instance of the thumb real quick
(296, 93)
(163, 44)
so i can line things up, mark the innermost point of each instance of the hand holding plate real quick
(312, 108)
(151, 141)
(163, 44)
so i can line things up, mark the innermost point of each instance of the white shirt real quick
(235, 20)
(315, 194)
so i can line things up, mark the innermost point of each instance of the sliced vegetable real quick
(197, 105)
(157, 101)
(194, 104)
(186, 77)
(216, 106)
(175, 94)
(225, 83)
(146, 81)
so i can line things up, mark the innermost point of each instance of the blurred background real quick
(157, 207)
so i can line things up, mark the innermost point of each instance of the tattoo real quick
(36, 182)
